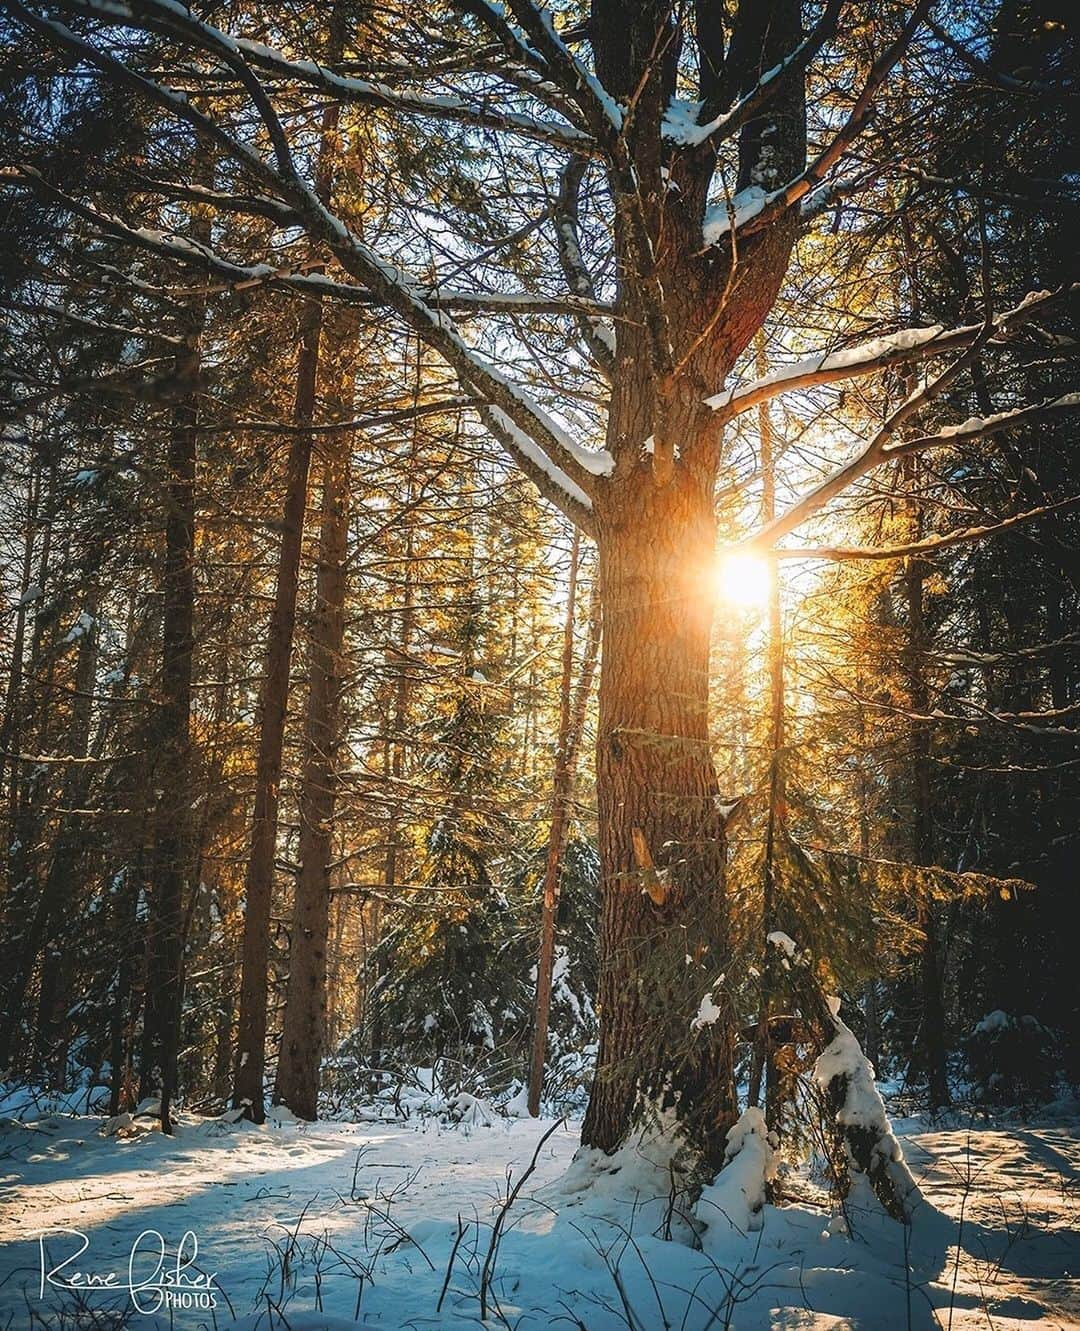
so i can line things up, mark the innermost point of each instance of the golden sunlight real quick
(743, 580)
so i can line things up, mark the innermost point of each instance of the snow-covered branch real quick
(388, 284)
(551, 480)
(909, 344)
(755, 211)
(363, 92)
(840, 553)
(879, 451)
(597, 334)
(690, 124)
(170, 15)
(47, 309)
(602, 113)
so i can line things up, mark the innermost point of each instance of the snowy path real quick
(292, 1217)
(1022, 1214)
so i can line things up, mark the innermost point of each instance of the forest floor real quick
(344, 1225)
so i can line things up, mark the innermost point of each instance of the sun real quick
(744, 580)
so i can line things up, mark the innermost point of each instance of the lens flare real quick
(743, 581)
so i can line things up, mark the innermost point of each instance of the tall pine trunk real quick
(930, 1044)
(393, 770)
(171, 862)
(62, 877)
(9, 729)
(26, 785)
(763, 1063)
(303, 1035)
(248, 1078)
(571, 723)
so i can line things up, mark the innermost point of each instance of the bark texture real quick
(686, 313)
(248, 1080)
(303, 1033)
(661, 828)
(248, 1089)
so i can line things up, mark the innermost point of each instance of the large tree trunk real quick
(303, 1033)
(684, 318)
(248, 1089)
(172, 862)
(663, 938)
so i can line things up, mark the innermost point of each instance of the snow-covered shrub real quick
(871, 1156)
(1011, 1060)
(738, 1194)
(453, 1090)
(25, 1101)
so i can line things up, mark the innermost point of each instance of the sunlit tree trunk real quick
(303, 1034)
(248, 1088)
(684, 321)
(571, 723)
(763, 1066)
(661, 828)
(248, 1079)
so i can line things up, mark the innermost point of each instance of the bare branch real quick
(909, 344)
(770, 207)
(877, 451)
(712, 125)
(839, 553)
(602, 114)
(598, 336)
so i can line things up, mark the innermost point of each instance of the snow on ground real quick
(326, 1226)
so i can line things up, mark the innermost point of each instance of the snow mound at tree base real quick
(647, 1181)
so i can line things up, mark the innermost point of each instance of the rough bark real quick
(172, 854)
(303, 1034)
(657, 787)
(248, 1079)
